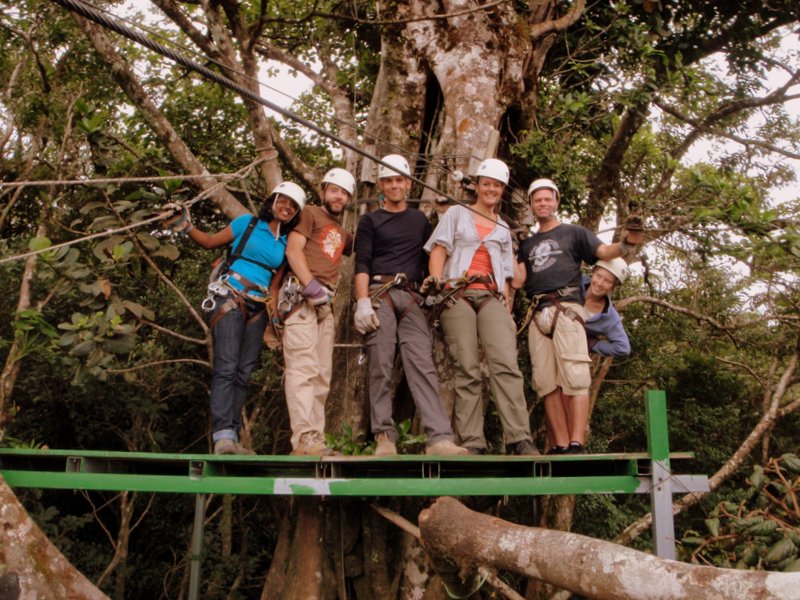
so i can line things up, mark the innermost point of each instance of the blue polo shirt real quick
(262, 246)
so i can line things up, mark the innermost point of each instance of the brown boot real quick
(385, 446)
(312, 443)
(446, 448)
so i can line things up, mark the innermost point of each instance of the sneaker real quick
(229, 446)
(446, 448)
(225, 446)
(522, 448)
(575, 448)
(312, 443)
(557, 450)
(384, 446)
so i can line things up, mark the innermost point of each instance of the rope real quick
(109, 232)
(88, 12)
(68, 182)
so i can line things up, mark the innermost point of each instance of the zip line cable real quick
(92, 14)
(351, 124)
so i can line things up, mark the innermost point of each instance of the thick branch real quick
(32, 561)
(586, 566)
(561, 24)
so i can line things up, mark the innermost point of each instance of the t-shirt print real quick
(331, 242)
(543, 255)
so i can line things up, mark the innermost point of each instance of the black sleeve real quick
(363, 245)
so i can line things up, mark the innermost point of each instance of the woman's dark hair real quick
(266, 215)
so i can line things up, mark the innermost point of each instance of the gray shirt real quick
(456, 233)
(553, 259)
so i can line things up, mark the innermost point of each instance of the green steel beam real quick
(406, 475)
(657, 432)
(287, 486)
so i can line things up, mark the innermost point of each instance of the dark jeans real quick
(237, 345)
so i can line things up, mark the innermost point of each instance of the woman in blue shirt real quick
(239, 316)
(603, 325)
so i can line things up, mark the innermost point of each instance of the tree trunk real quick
(32, 567)
(586, 566)
(305, 573)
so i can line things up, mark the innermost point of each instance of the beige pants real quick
(308, 354)
(562, 361)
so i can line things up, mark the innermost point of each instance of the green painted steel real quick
(657, 431)
(288, 486)
(404, 475)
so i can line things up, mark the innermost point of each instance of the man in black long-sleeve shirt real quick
(389, 242)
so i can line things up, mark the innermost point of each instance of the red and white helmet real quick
(342, 178)
(544, 184)
(399, 167)
(494, 168)
(291, 190)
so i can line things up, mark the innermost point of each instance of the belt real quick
(394, 280)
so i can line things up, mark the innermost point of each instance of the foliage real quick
(97, 344)
(353, 444)
(761, 531)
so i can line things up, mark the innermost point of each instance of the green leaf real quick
(83, 349)
(39, 243)
(780, 551)
(757, 477)
(713, 526)
(120, 345)
(792, 462)
(792, 567)
(168, 251)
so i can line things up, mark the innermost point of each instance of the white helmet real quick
(546, 184)
(341, 178)
(291, 190)
(616, 266)
(399, 163)
(494, 168)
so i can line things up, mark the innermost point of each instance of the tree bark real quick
(32, 564)
(586, 566)
(305, 573)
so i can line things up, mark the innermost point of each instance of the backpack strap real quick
(239, 249)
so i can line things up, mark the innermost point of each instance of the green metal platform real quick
(404, 475)
(648, 472)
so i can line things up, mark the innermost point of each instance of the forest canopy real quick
(684, 113)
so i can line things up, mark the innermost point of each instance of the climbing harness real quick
(553, 299)
(454, 291)
(383, 284)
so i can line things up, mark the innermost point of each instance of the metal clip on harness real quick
(215, 288)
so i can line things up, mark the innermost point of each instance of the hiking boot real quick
(229, 446)
(384, 446)
(446, 448)
(575, 448)
(522, 448)
(312, 443)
